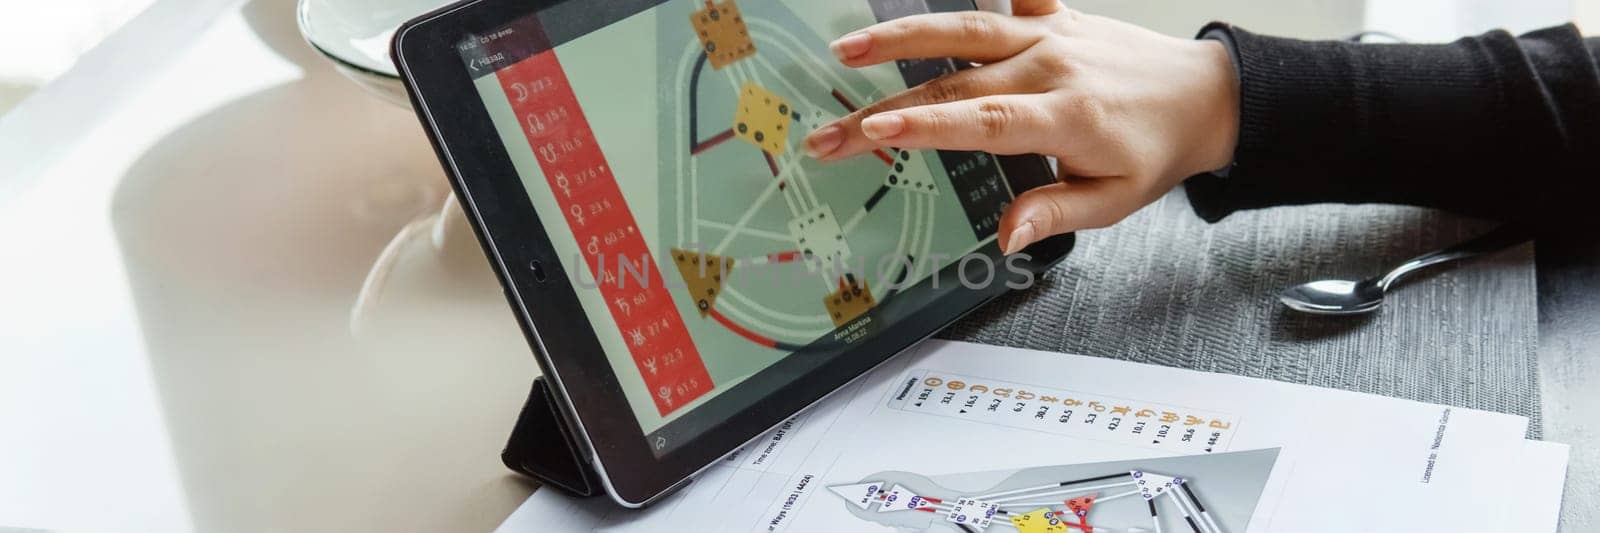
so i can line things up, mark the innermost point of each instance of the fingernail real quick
(851, 46)
(883, 126)
(1020, 238)
(824, 141)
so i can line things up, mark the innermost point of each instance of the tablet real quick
(687, 277)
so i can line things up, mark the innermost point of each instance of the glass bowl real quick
(355, 35)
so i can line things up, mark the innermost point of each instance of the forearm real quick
(1492, 125)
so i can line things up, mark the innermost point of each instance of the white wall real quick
(1445, 20)
(1416, 20)
(1322, 19)
(1587, 14)
(39, 40)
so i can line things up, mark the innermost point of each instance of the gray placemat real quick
(1164, 287)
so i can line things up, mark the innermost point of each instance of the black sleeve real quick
(1496, 126)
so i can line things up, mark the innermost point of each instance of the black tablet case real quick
(542, 445)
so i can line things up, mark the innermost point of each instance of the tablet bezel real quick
(513, 238)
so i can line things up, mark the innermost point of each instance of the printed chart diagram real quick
(773, 246)
(1203, 494)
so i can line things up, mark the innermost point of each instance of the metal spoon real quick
(1344, 297)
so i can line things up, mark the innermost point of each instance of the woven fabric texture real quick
(1164, 287)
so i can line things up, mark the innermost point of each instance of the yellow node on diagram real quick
(1039, 521)
(704, 275)
(763, 119)
(852, 300)
(722, 34)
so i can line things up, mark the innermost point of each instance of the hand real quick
(1127, 112)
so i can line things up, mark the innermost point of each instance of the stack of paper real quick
(965, 437)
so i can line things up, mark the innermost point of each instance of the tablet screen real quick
(661, 145)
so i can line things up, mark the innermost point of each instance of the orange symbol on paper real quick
(1080, 506)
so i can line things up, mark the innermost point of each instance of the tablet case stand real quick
(543, 446)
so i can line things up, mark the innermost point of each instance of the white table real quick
(175, 290)
(185, 223)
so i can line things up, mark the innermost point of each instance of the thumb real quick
(1064, 207)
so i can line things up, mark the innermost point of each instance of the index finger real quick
(977, 36)
(843, 138)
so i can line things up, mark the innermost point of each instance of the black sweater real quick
(1495, 126)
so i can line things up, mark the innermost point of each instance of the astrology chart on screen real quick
(739, 250)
